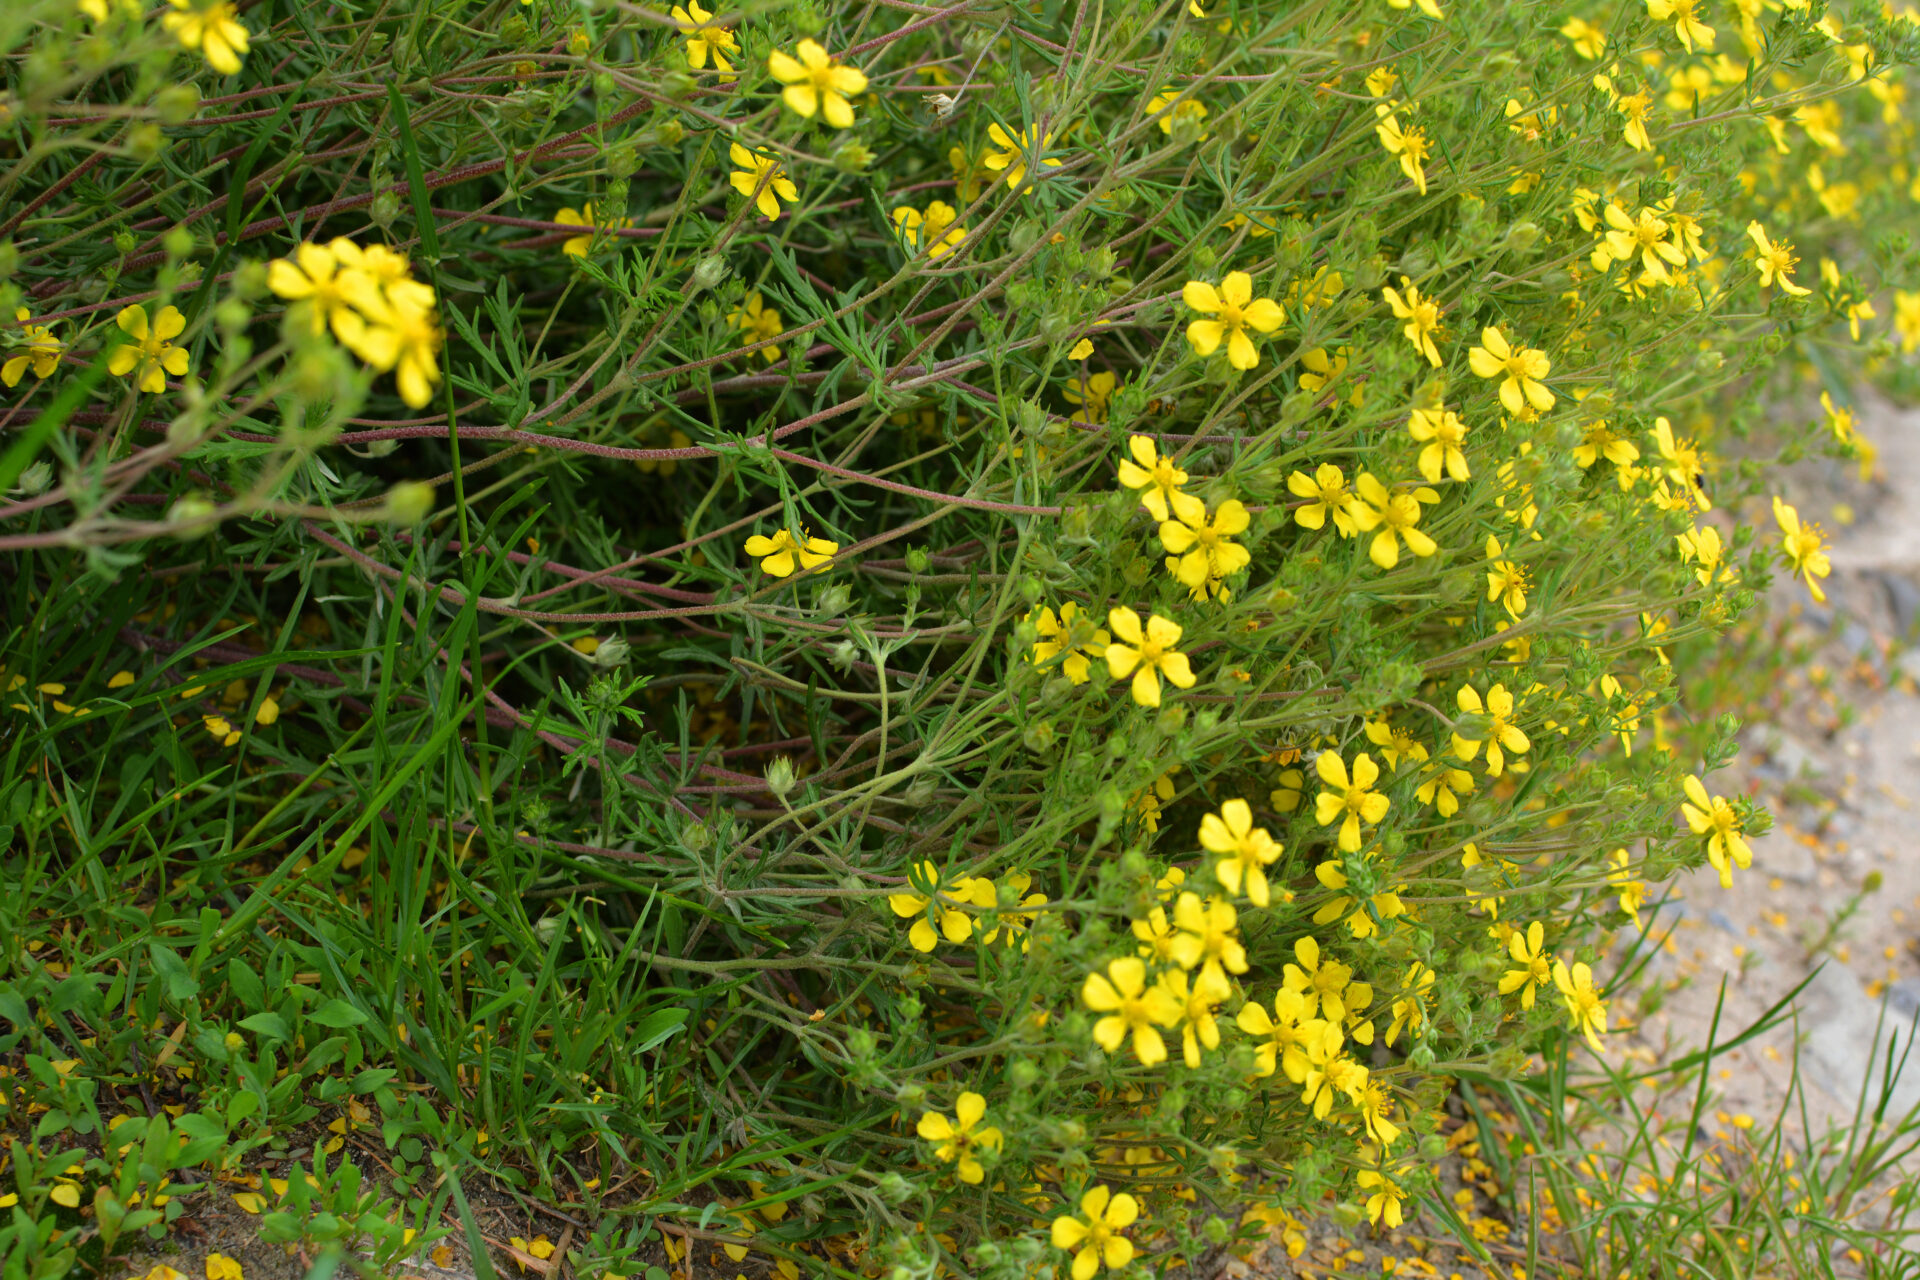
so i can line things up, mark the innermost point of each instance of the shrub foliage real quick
(1020, 627)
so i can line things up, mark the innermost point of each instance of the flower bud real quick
(612, 652)
(178, 242)
(176, 103)
(707, 273)
(409, 502)
(34, 479)
(852, 156)
(124, 241)
(695, 837)
(197, 513)
(145, 141)
(779, 776)
(917, 560)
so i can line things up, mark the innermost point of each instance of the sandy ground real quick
(1833, 897)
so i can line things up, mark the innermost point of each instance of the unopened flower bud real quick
(707, 273)
(780, 777)
(34, 479)
(196, 513)
(176, 104)
(852, 156)
(612, 652)
(409, 502)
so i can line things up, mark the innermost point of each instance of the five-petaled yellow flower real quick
(39, 350)
(1775, 261)
(1395, 515)
(1328, 495)
(1495, 724)
(1072, 634)
(1529, 952)
(1016, 152)
(778, 554)
(1442, 431)
(1588, 40)
(151, 355)
(1349, 798)
(939, 912)
(1094, 1238)
(956, 1140)
(1133, 1009)
(1383, 1205)
(1227, 313)
(1805, 548)
(935, 230)
(761, 179)
(1713, 817)
(757, 322)
(1160, 480)
(705, 39)
(1584, 1005)
(1686, 23)
(1521, 367)
(1408, 142)
(1244, 849)
(584, 217)
(817, 83)
(1421, 314)
(211, 26)
(1146, 654)
(1201, 549)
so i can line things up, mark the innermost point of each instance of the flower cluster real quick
(368, 297)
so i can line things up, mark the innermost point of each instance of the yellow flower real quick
(1410, 1010)
(1199, 1028)
(1839, 419)
(1521, 367)
(1072, 634)
(956, 1140)
(1092, 393)
(817, 83)
(1287, 1035)
(1323, 370)
(967, 172)
(1775, 261)
(1015, 924)
(1588, 40)
(1683, 463)
(1428, 7)
(1395, 515)
(151, 355)
(1501, 733)
(1384, 1204)
(1395, 743)
(1146, 654)
(939, 910)
(1132, 1008)
(40, 351)
(1599, 441)
(757, 322)
(1016, 152)
(1348, 800)
(1632, 892)
(1286, 797)
(1584, 1005)
(222, 728)
(1327, 487)
(1713, 817)
(1644, 235)
(401, 334)
(583, 217)
(761, 179)
(211, 26)
(1159, 478)
(1686, 24)
(1321, 983)
(312, 275)
(1206, 935)
(1202, 547)
(1443, 432)
(1409, 143)
(1244, 848)
(1529, 952)
(1234, 310)
(705, 39)
(1635, 107)
(98, 10)
(221, 1267)
(1442, 788)
(778, 553)
(1188, 109)
(1906, 319)
(1096, 1234)
(1421, 314)
(1805, 548)
(935, 229)
(1506, 581)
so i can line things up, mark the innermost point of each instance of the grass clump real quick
(990, 639)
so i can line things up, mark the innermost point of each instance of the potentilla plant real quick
(1145, 536)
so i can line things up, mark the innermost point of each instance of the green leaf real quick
(270, 1025)
(337, 1013)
